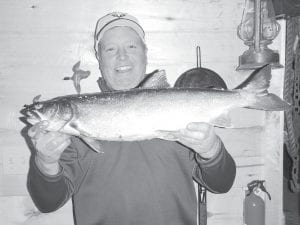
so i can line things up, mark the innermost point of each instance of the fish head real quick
(56, 112)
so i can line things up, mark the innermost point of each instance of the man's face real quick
(122, 58)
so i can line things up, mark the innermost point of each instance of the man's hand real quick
(200, 137)
(49, 147)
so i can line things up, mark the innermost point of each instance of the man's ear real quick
(100, 65)
(97, 52)
(146, 53)
(97, 56)
(146, 48)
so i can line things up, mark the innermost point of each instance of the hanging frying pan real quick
(200, 77)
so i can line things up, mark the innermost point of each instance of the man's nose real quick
(122, 53)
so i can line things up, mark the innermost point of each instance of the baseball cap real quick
(116, 19)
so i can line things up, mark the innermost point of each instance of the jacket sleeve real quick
(216, 174)
(51, 192)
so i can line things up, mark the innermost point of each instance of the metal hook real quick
(198, 52)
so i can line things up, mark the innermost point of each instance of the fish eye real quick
(38, 106)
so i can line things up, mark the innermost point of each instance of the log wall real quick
(40, 41)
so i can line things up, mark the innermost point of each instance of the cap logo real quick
(119, 15)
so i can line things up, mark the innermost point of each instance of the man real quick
(138, 182)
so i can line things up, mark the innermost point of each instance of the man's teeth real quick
(123, 68)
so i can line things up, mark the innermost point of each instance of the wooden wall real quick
(41, 40)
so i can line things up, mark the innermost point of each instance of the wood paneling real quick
(40, 41)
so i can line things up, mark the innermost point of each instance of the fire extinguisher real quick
(254, 204)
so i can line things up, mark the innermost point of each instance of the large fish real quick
(140, 114)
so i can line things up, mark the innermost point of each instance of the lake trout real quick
(140, 114)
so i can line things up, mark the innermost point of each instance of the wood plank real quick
(232, 213)
(272, 144)
(21, 210)
(40, 41)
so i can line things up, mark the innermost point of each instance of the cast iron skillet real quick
(200, 77)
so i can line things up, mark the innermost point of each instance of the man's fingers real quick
(190, 141)
(200, 126)
(194, 134)
(38, 129)
(63, 145)
(199, 130)
(167, 135)
(57, 147)
(52, 140)
(53, 150)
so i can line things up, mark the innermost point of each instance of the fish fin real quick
(81, 132)
(36, 98)
(86, 137)
(168, 135)
(156, 79)
(93, 144)
(222, 121)
(258, 81)
(269, 102)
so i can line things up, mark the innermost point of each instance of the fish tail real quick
(257, 84)
(269, 102)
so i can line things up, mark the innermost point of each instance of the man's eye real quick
(132, 46)
(110, 49)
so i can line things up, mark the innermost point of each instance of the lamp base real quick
(253, 60)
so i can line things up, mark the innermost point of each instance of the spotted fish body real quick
(141, 114)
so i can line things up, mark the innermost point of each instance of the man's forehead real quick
(120, 34)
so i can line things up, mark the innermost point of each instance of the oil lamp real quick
(257, 29)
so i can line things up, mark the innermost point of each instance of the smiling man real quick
(135, 182)
(121, 51)
(122, 58)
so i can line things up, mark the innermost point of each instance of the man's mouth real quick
(123, 69)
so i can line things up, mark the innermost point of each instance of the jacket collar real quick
(103, 85)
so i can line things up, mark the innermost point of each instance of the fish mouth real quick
(31, 116)
(123, 69)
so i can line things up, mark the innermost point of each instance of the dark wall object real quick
(200, 77)
(286, 8)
